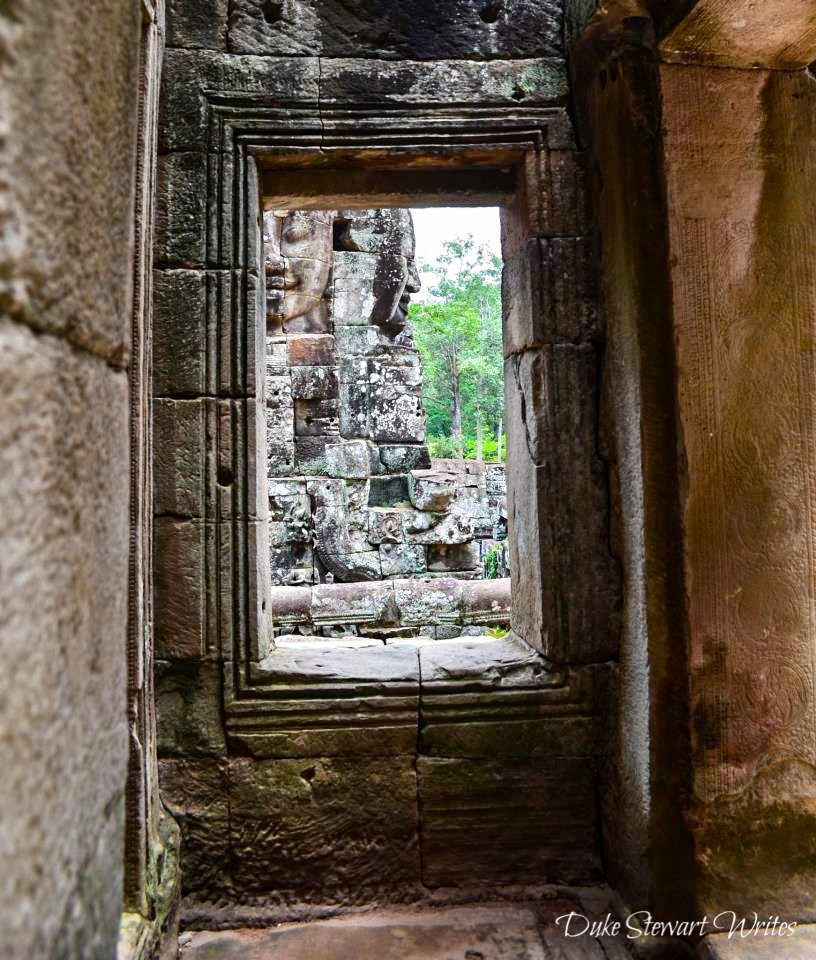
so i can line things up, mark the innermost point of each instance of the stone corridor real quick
(256, 699)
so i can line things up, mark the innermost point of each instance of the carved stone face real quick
(298, 257)
(397, 276)
(388, 234)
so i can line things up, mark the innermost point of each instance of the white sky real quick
(435, 225)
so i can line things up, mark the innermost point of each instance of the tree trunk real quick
(479, 434)
(456, 408)
(499, 434)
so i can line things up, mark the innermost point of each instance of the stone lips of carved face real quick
(397, 278)
(298, 256)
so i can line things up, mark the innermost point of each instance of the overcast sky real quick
(435, 225)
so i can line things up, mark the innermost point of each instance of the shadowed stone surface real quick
(497, 933)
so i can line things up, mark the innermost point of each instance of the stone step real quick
(485, 932)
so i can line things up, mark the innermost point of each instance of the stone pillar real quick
(706, 175)
(741, 178)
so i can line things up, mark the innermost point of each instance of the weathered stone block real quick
(411, 29)
(194, 787)
(280, 459)
(179, 332)
(524, 324)
(178, 457)
(353, 603)
(197, 24)
(317, 418)
(461, 556)
(536, 821)
(350, 460)
(352, 567)
(531, 82)
(360, 340)
(315, 660)
(324, 828)
(310, 455)
(188, 709)
(402, 559)
(180, 587)
(316, 349)
(188, 73)
(205, 858)
(430, 490)
(452, 528)
(389, 491)
(314, 383)
(353, 301)
(402, 458)
(355, 409)
(396, 418)
(181, 200)
(421, 603)
(280, 410)
(385, 526)
(277, 357)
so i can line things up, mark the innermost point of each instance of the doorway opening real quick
(385, 425)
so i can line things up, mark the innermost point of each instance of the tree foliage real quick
(459, 335)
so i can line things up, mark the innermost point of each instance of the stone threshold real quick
(506, 662)
(476, 931)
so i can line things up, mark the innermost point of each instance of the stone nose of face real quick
(414, 284)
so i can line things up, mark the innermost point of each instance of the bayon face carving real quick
(387, 235)
(298, 258)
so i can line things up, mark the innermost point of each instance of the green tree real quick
(459, 337)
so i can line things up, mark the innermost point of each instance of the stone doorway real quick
(299, 780)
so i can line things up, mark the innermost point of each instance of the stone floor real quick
(486, 932)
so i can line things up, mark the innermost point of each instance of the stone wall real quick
(68, 97)
(701, 121)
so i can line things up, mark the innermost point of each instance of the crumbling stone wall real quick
(68, 98)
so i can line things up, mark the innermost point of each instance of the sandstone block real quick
(180, 588)
(421, 603)
(188, 73)
(303, 829)
(452, 528)
(431, 491)
(385, 526)
(181, 210)
(535, 821)
(360, 340)
(310, 455)
(277, 357)
(178, 457)
(521, 29)
(402, 458)
(448, 557)
(197, 25)
(188, 709)
(316, 349)
(396, 417)
(179, 332)
(389, 491)
(352, 567)
(280, 459)
(314, 383)
(353, 301)
(533, 82)
(350, 460)
(402, 559)
(317, 418)
(194, 787)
